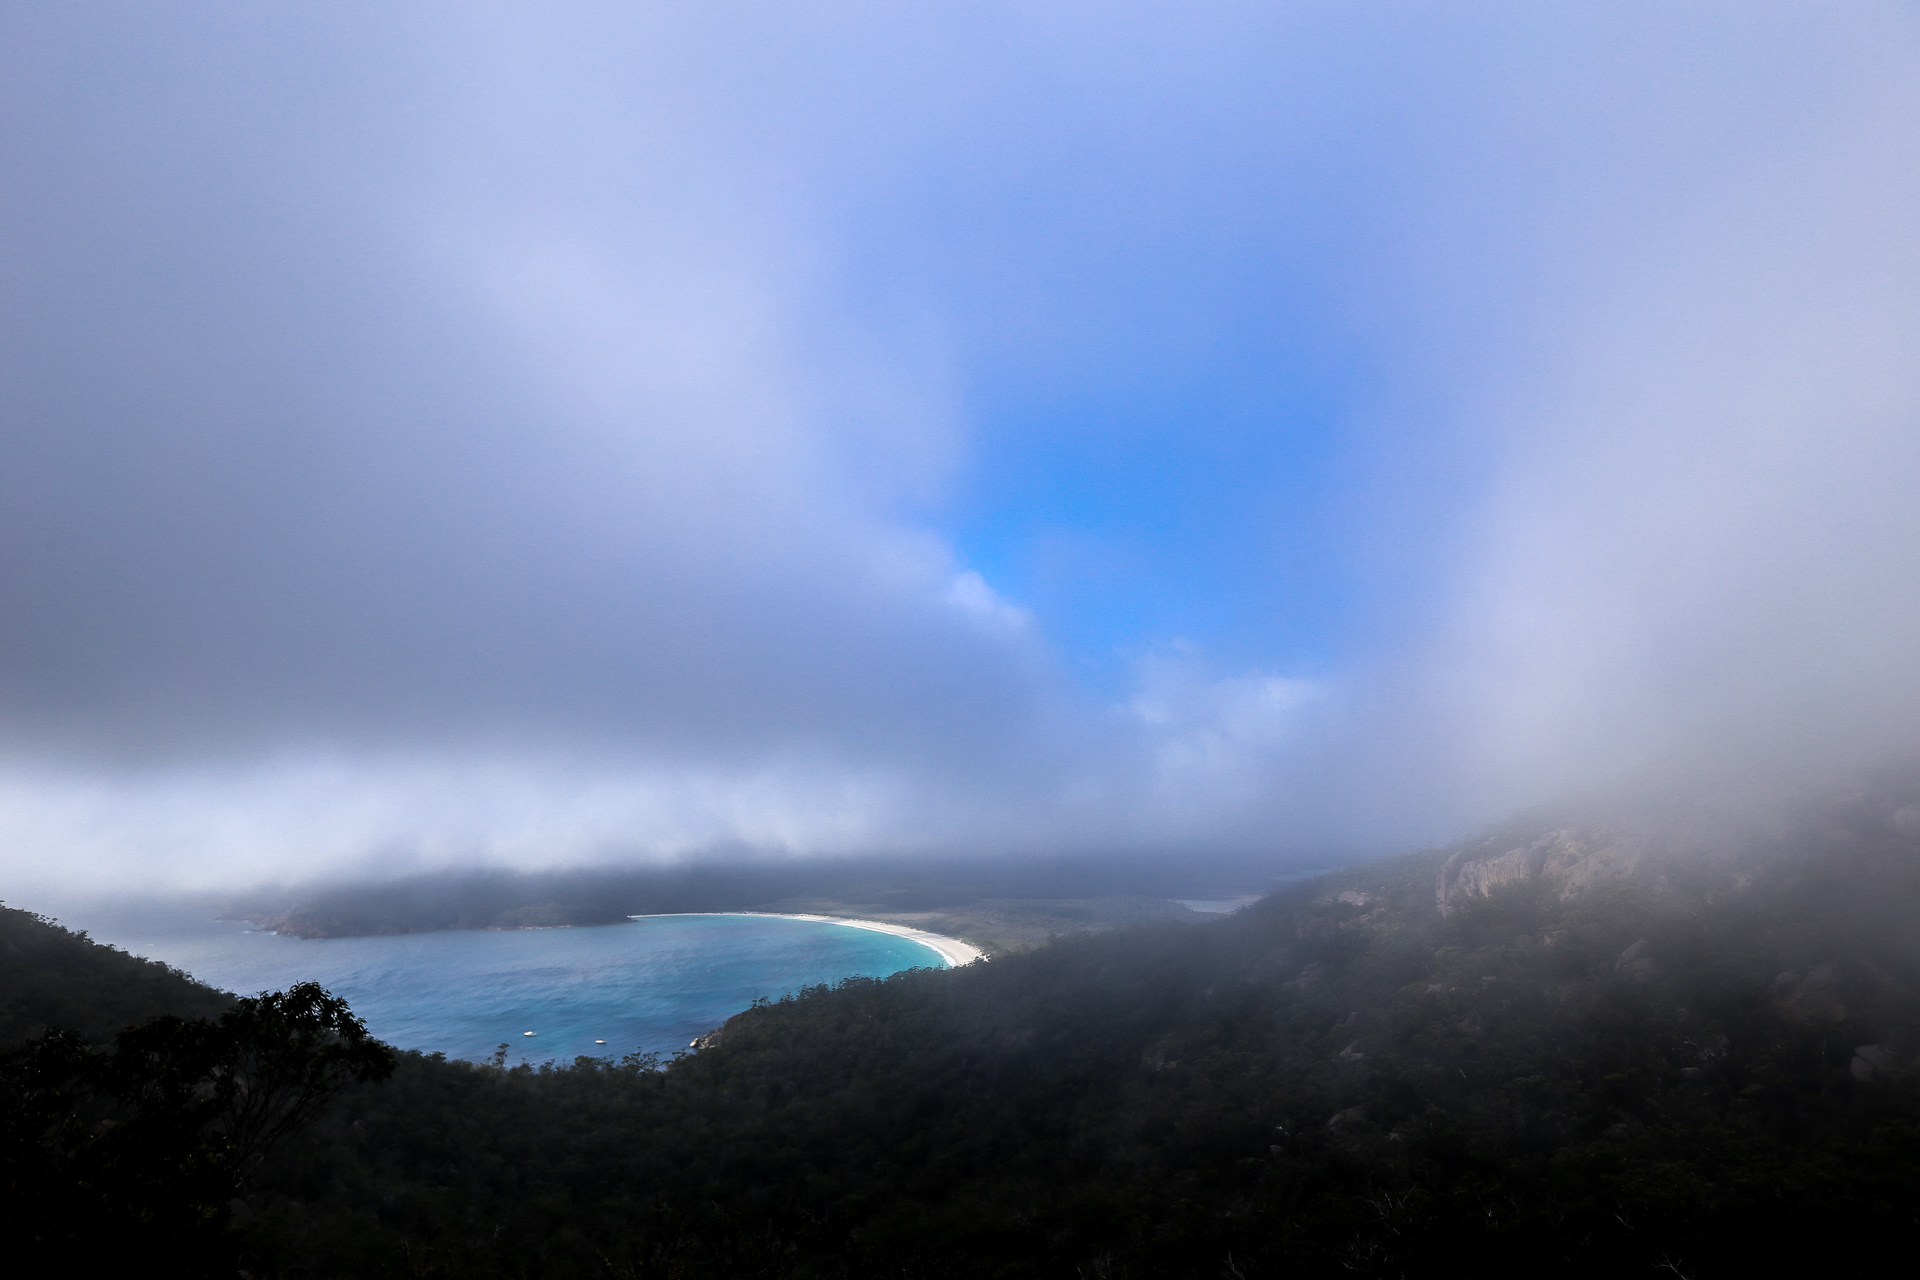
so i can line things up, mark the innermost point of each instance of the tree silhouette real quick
(114, 1155)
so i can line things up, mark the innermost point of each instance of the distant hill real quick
(53, 976)
(999, 904)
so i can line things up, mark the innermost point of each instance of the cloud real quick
(1699, 545)
(534, 436)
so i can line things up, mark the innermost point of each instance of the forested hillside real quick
(122, 1144)
(1671, 1043)
(52, 976)
(1665, 1058)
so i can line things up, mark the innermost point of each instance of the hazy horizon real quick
(543, 437)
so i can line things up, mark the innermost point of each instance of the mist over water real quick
(626, 436)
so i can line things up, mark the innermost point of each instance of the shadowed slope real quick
(52, 976)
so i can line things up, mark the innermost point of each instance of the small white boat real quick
(529, 1033)
(599, 1041)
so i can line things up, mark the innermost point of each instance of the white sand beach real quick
(952, 950)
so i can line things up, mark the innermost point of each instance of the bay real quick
(647, 986)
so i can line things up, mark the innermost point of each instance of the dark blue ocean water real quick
(651, 985)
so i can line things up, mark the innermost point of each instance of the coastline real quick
(952, 950)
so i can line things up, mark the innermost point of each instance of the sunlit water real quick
(650, 985)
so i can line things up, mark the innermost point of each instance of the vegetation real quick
(1319, 1087)
(137, 1153)
(53, 976)
(1702, 1072)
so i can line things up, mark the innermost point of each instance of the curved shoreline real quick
(952, 950)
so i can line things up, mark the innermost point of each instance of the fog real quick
(540, 436)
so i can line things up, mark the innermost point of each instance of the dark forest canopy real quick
(1683, 1040)
(120, 1155)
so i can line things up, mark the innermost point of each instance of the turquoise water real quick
(650, 985)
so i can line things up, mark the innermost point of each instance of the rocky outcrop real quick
(1635, 963)
(1569, 859)
(1870, 1060)
(1813, 995)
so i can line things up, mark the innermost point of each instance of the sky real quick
(550, 435)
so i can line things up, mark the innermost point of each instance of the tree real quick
(115, 1155)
